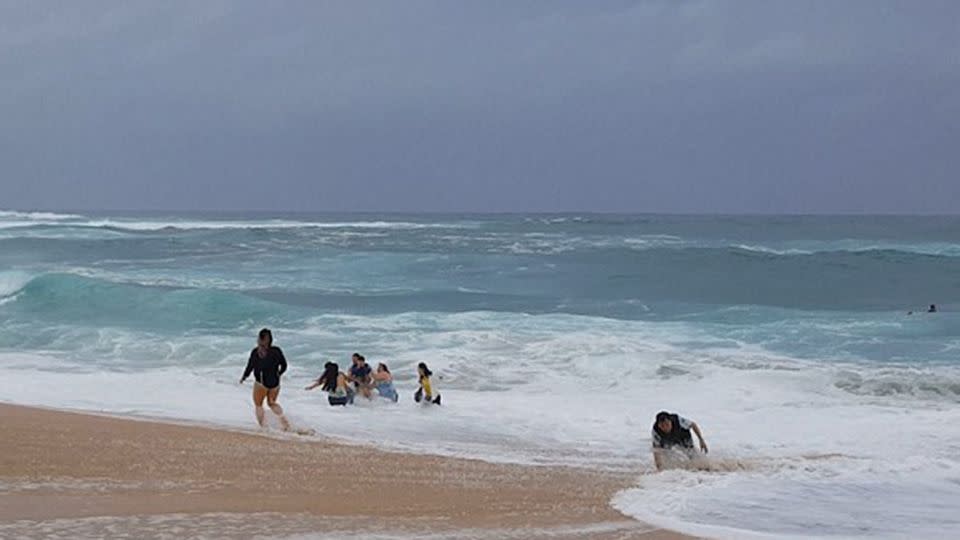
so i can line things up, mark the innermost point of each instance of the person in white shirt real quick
(672, 431)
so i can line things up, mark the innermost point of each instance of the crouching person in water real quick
(425, 393)
(334, 384)
(267, 364)
(672, 439)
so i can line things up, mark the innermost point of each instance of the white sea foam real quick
(822, 457)
(772, 251)
(854, 246)
(158, 225)
(12, 282)
(824, 498)
(59, 225)
(36, 216)
(14, 219)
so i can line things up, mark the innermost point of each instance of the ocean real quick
(555, 339)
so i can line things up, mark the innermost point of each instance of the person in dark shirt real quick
(267, 365)
(673, 432)
(360, 375)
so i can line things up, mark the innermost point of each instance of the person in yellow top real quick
(425, 393)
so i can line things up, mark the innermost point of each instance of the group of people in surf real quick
(342, 387)
(672, 434)
(267, 364)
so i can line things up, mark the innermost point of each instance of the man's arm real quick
(696, 429)
(657, 459)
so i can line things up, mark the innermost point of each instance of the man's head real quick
(664, 421)
(355, 358)
(265, 338)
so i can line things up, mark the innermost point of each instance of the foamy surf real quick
(36, 216)
(523, 237)
(555, 340)
(835, 498)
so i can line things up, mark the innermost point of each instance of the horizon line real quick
(490, 212)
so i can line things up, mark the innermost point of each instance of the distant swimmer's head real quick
(382, 368)
(933, 308)
(265, 338)
(423, 370)
(664, 421)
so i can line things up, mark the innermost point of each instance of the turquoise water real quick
(807, 286)
(579, 328)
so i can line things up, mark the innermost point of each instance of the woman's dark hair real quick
(266, 334)
(331, 371)
(424, 369)
(384, 366)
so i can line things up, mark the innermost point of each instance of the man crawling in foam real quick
(673, 443)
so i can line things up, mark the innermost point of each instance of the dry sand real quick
(69, 475)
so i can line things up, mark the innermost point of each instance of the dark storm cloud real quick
(621, 106)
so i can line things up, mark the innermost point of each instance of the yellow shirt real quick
(425, 384)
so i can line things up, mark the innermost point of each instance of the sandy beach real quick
(64, 474)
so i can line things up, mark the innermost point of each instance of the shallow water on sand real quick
(293, 527)
(555, 339)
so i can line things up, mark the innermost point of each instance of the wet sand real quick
(70, 475)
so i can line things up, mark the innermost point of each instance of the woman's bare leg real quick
(272, 396)
(259, 394)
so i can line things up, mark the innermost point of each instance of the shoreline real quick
(83, 474)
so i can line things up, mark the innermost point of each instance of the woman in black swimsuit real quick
(267, 365)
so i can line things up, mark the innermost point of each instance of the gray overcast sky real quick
(672, 106)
